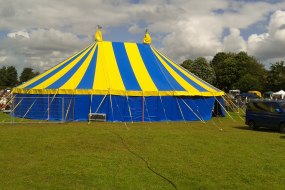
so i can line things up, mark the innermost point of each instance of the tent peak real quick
(98, 35)
(147, 38)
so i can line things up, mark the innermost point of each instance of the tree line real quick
(9, 76)
(238, 71)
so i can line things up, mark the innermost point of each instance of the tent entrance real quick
(218, 110)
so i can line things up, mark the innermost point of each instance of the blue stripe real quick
(61, 81)
(53, 72)
(209, 85)
(124, 65)
(162, 79)
(205, 83)
(88, 78)
(192, 83)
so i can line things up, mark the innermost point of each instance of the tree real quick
(227, 74)
(248, 82)
(223, 65)
(219, 58)
(249, 65)
(27, 74)
(186, 64)
(201, 68)
(276, 77)
(12, 76)
(3, 77)
(230, 68)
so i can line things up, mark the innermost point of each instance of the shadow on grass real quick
(282, 137)
(264, 130)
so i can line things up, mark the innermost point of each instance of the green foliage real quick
(27, 74)
(219, 58)
(8, 76)
(248, 82)
(186, 64)
(276, 77)
(227, 73)
(201, 68)
(233, 69)
(81, 156)
(3, 77)
(12, 76)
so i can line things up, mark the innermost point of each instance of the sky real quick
(41, 33)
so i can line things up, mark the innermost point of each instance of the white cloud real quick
(135, 29)
(18, 34)
(197, 36)
(270, 45)
(43, 33)
(2, 58)
(41, 50)
(234, 41)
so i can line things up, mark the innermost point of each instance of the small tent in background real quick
(256, 93)
(249, 95)
(267, 95)
(123, 81)
(279, 95)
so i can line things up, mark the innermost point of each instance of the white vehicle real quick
(234, 93)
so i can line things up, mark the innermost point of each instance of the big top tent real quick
(122, 80)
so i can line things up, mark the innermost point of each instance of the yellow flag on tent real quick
(147, 38)
(98, 35)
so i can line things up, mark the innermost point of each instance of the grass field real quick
(188, 155)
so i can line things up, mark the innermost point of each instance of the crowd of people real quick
(5, 97)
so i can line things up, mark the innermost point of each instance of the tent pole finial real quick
(98, 35)
(147, 38)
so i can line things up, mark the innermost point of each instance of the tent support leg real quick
(146, 108)
(112, 107)
(163, 109)
(130, 112)
(180, 110)
(90, 109)
(29, 109)
(193, 111)
(67, 111)
(142, 109)
(48, 109)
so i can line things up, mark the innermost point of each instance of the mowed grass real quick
(221, 154)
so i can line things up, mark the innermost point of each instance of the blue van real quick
(268, 114)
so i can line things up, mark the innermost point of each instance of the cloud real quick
(43, 33)
(269, 45)
(18, 34)
(196, 36)
(3, 58)
(7, 10)
(39, 48)
(135, 29)
(234, 41)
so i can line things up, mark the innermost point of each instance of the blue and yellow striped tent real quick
(125, 81)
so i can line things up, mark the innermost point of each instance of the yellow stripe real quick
(74, 81)
(187, 74)
(140, 71)
(59, 74)
(108, 79)
(48, 71)
(104, 92)
(107, 75)
(189, 88)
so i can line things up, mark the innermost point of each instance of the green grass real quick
(192, 155)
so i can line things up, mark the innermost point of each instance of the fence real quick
(38, 109)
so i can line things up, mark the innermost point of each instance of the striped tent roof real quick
(118, 68)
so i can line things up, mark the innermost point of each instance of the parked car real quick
(268, 114)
